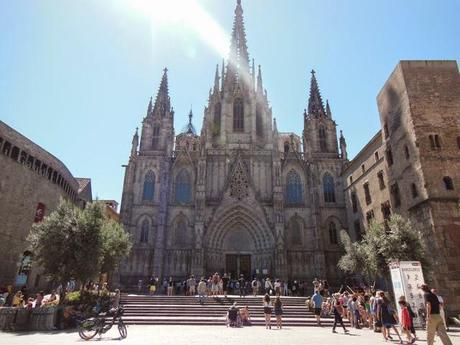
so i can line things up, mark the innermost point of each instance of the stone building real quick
(412, 166)
(240, 196)
(32, 181)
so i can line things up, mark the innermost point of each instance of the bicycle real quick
(88, 328)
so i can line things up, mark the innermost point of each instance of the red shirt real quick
(405, 318)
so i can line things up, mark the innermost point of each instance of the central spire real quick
(238, 64)
(162, 101)
(315, 102)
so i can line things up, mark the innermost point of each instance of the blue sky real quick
(76, 76)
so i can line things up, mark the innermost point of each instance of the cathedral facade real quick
(239, 197)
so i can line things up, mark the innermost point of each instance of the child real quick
(406, 323)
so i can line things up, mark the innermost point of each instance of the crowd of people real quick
(23, 299)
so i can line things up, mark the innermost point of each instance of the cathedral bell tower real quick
(319, 135)
(238, 114)
(157, 136)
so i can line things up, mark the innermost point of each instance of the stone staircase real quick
(186, 310)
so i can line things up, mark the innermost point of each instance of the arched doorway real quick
(238, 249)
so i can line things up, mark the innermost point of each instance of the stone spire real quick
(223, 75)
(328, 110)
(216, 80)
(162, 101)
(260, 86)
(238, 64)
(190, 129)
(150, 107)
(343, 147)
(275, 126)
(135, 143)
(315, 102)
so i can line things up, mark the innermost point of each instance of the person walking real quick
(202, 290)
(387, 317)
(411, 316)
(406, 322)
(337, 311)
(267, 311)
(170, 286)
(317, 300)
(434, 322)
(225, 280)
(441, 308)
(268, 286)
(242, 286)
(278, 312)
(254, 286)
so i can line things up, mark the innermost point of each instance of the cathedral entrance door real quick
(237, 264)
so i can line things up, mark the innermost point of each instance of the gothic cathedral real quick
(240, 197)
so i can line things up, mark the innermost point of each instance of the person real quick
(277, 287)
(254, 286)
(278, 312)
(191, 286)
(441, 308)
(406, 322)
(268, 286)
(18, 299)
(315, 284)
(225, 280)
(337, 311)
(387, 318)
(434, 322)
(233, 316)
(345, 304)
(317, 300)
(215, 284)
(411, 316)
(170, 286)
(202, 290)
(245, 316)
(39, 299)
(242, 285)
(267, 311)
(116, 299)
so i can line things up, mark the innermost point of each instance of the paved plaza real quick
(194, 335)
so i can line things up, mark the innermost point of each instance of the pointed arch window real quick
(259, 121)
(183, 192)
(448, 183)
(328, 188)
(238, 115)
(293, 188)
(145, 231)
(333, 233)
(322, 139)
(149, 186)
(217, 119)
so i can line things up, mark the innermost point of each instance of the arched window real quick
(286, 147)
(145, 231)
(181, 235)
(322, 139)
(238, 115)
(448, 183)
(329, 188)
(183, 188)
(217, 119)
(293, 188)
(149, 186)
(259, 122)
(333, 233)
(295, 232)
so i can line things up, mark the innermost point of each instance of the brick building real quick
(32, 181)
(412, 166)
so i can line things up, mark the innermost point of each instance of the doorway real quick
(237, 264)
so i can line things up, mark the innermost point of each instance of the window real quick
(406, 152)
(37, 165)
(333, 233)
(55, 176)
(381, 180)
(448, 183)
(30, 162)
(259, 121)
(183, 188)
(44, 169)
(394, 191)
(458, 143)
(363, 168)
(358, 232)
(389, 155)
(23, 157)
(386, 210)
(354, 202)
(145, 231)
(286, 147)
(50, 173)
(238, 115)
(328, 188)
(293, 188)
(435, 142)
(376, 155)
(1, 142)
(322, 139)
(367, 193)
(217, 119)
(156, 137)
(414, 190)
(351, 179)
(370, 217)
(148, 192)
(385, 130)
(6, 148)
(15, 153)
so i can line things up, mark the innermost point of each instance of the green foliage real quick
(72, 242)
(382, 245)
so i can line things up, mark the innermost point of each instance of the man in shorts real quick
(317, 300)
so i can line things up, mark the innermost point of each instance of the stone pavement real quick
(194, 335)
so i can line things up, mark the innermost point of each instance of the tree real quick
(382, 244)
(77, 243)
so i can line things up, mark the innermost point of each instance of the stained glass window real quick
(238, 115)
(149, 186)
(183, 188)
(293, 188)
(333, 233)
(145, 231)
(329, 188)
